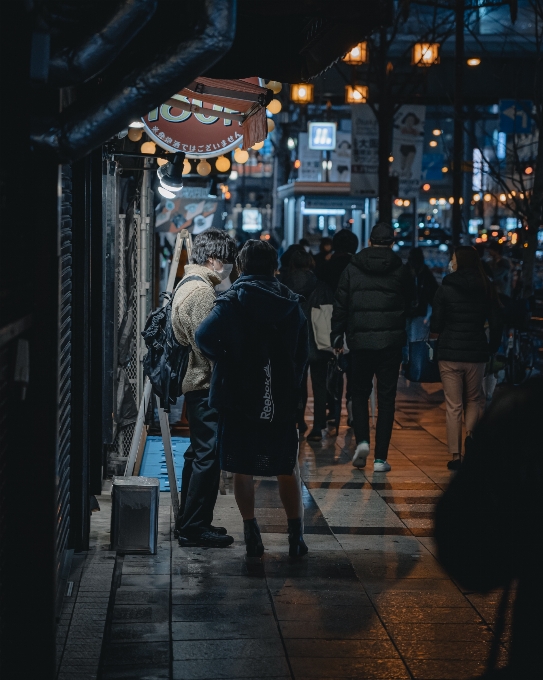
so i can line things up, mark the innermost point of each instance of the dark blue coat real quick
(257, 336)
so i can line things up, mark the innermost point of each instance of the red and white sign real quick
(198, 135)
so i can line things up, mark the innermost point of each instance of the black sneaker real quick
(454, 464)
(218, 530)
(207, 539)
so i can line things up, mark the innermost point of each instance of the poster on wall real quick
(407, 148)
(364, 152)
(311, 160)
(195, 214)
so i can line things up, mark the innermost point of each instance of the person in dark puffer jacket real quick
(372, 297)
(462, 306)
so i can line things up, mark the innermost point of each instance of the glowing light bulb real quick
(271, 124)
(186, 167)
(135, 134)
(203, 168)
(161, 161)
(222, 164)
(148, 147)
(241, 156)
(257, 146)
(274, 106)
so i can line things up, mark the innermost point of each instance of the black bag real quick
(166, 362)
(422, 365)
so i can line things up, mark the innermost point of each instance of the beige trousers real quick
(463, 389)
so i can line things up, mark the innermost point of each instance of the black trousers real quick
(201, 471)
(318, 370)
(385, 365)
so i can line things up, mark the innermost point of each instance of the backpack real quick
(166, 361)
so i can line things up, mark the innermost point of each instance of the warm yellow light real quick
(451, 200)
(433, 201)
(526, 245)
(228, 195)
(357, 94)
(476, 197)
(433, 142)
(461, 201)
(513, 193)
(444, 169)
(521, 195)
(297, 163)
(484, 237)
(148, 147)
(222, 164)
(257, 146)
(203, 168)
(425, 54)
(161, 161)
(527, 170)
(358, 55)
(488, 197)
(398, 202)
(135, 134)
(241, 156)
(390, 159)
(502, 197)
(436, 132)
(274, 106)
(514, 238)
(275, 86)
(426, 187)
(407, 202)
(495, 233)
(271, 125)
(186, 167)
(442, 201)
(302, 93)
(473, 61)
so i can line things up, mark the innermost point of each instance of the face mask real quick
(450, 267)
(225, 272)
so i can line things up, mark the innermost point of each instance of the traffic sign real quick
(322, 136)
(516, 116)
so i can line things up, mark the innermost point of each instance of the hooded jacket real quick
(257, 337)
(460, 310)
(371, 300)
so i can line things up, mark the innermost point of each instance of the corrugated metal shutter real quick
(65, 358)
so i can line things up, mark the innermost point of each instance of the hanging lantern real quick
(241, 156)
(302, 93)
(425, 54)
(356, 94)
(135, 134)
(203, 168)
(222, 164)
(274, 106)
(186, 167)
(358, 55)
(148, 147)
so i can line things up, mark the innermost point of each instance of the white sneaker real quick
(360, 455)
(381, 466)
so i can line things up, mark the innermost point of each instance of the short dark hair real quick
(345, 241)
(257, 257)
(300, 260)
(213, 244)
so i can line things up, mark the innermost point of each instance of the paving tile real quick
(227, 612)
(140, 632)
(265, 627)
(140, 613)
(378, 649)
(136, 673)
(149, 653)
(229, 649)
(349, 668)
(209, 669)
(424, 669)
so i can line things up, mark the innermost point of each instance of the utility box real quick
(134, 514)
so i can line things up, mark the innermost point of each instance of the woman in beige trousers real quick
(462, 307)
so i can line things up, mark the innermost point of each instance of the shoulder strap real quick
(192, 277)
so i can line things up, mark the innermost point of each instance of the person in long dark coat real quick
(257, 337)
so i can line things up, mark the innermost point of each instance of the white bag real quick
(321, 320)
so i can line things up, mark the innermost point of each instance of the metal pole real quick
(458, 150)
(415, 223)
(168, 454)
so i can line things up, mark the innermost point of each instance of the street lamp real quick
(356, 94)
(425, 54)
(358, 55)
(302, 93)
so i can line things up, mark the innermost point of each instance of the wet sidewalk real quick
(370, 601)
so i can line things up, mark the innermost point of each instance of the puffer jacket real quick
(371, 300)
(461, 308)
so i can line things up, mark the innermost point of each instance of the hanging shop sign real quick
(198, 132)
(364, 151)
(407, 148)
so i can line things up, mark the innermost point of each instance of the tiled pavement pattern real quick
(370, 601)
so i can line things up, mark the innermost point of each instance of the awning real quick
(231, 99)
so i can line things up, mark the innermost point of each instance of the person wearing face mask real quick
(213, 254)
(461, 308)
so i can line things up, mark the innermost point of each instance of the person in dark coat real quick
(323, 256)
(371, 300)
(313, 293)
(256, 336)
(462, 307)
(345, 245)
(418, 316)
(485, 520)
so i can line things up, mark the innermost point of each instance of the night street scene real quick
(271, 340)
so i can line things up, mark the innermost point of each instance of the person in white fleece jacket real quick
(213, 255)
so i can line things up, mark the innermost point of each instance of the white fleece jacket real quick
(192, 303)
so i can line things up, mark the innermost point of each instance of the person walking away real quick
(256, 336)
(213, 255)
(418, 316)
(462, 306)
(323, 256)
(345, 245)
(371, 300)
(313, 294)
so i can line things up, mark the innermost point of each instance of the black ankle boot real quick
(253, 540)
(297, 546)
